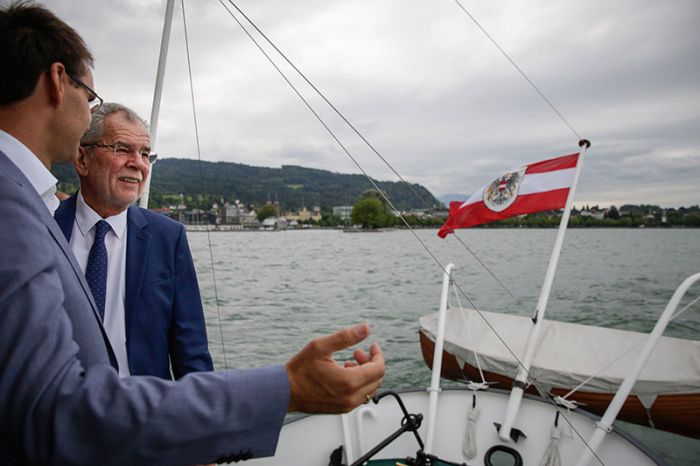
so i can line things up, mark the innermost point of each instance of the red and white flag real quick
(533, 188)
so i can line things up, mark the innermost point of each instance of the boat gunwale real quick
(629, 437)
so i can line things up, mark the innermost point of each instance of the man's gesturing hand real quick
(318, 384)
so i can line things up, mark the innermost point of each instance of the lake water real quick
(277, 290)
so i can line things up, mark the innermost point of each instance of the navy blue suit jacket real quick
(163, 308)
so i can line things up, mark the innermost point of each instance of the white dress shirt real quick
(81, 241)
(29, 164)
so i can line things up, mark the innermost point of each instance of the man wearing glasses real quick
(61, 398)
(147, 294)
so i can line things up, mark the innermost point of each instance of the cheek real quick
(85, 116)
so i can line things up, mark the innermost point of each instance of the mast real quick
(520, 382)
(155, 108)
(435, 389)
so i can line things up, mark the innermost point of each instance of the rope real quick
(350, 125)
(201, 179)
(476, 355)
(469, 449)
(621, 355)
(522, 73)
(347, 152)
(685, 308)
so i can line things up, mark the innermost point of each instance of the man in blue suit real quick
(153, 311)
(61, 398)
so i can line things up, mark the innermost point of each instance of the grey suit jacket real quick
(61, 400)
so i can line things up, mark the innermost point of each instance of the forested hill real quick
(292, 186)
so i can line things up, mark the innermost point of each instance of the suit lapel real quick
(137, 243)
(65, 215)
(58, 236)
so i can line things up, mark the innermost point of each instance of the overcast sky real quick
(424, 85)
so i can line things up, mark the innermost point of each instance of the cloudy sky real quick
(424, 85)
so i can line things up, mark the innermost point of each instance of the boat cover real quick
(568, 353)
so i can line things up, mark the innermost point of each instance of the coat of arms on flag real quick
(533, 188)
(503, 191)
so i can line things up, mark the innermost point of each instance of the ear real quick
(81, 164)
(56, 81)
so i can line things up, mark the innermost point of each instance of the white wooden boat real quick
(591, 360)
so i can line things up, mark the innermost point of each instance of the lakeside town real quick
(371, 212)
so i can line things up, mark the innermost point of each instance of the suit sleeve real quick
(53, 410)
(188, 334)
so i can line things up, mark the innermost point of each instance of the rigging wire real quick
(343, 147)
(515, 65)
(350, 125)
(384, 196)
(201, 178)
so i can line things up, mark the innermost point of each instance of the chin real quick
(68, 156)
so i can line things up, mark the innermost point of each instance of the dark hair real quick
(31, 39)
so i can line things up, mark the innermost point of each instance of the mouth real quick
(129, 179)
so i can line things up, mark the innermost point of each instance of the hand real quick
(318, 384)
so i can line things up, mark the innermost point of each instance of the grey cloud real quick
(424, 86)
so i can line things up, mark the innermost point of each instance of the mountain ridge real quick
(292, 185)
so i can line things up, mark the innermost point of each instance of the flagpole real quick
(155, 108)
(520, 382)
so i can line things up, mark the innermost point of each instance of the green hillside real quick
(293, 186)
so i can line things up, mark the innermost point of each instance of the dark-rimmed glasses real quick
(125, 150)
(94, 101)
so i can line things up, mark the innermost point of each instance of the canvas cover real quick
(568, 353)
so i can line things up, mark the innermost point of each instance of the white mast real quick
(520, 382)
(155, 108)
(437, 360)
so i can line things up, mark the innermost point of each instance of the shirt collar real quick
(86, 218)
(41, 179)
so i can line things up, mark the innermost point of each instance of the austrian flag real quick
(533, 188)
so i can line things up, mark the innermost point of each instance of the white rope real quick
(464, 322)
(469, 447)
(563, 399)
(579, 386)
(551, 456)
(568, 404)
(685, 308)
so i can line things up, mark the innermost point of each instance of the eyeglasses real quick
(125, 150)
(94, 100)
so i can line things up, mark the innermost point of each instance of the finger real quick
(342, 339)
(361, 356)
(376, 353)
(349, 364)
(372, 372)
(367, 392)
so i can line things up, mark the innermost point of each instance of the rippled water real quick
(277, 290)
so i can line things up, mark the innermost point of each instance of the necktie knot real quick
(101, 230)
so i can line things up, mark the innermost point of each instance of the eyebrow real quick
(148, 148)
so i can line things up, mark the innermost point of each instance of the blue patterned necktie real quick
(96, 270)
